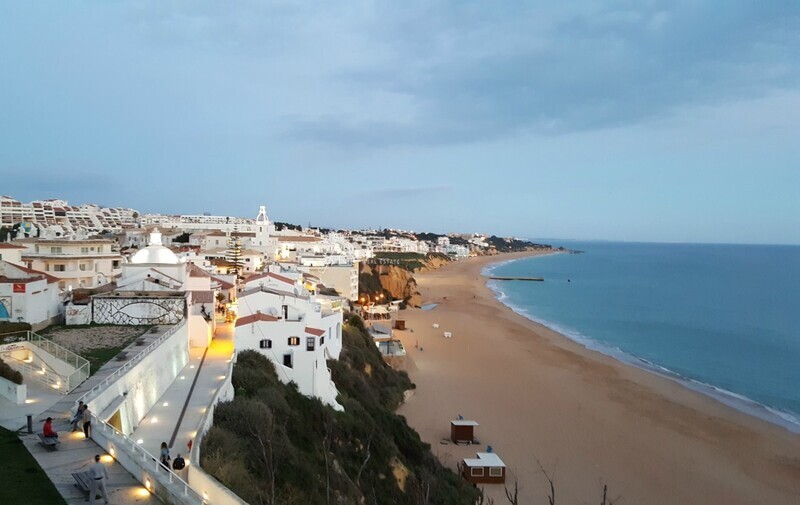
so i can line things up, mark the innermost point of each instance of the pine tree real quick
(234, 253)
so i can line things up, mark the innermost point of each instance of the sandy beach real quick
(589, 419)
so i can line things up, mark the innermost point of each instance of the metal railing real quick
(133, 361)
(117, 441)
(81, 366)
(40, 373)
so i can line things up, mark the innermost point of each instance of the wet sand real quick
(589, 419)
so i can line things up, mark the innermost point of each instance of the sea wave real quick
(742, 403)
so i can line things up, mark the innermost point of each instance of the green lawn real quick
(24, 481)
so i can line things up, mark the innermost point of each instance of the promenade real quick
(174, 419)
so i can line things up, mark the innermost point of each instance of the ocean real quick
(721, 319)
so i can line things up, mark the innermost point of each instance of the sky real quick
(669, 121)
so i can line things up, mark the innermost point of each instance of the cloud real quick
(481, 72)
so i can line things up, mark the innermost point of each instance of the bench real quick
(122, 356)
(50, 443)
(83, 480)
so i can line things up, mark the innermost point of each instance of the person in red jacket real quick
(47, 429)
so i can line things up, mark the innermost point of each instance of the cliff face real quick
(434, 262)
(397, 281)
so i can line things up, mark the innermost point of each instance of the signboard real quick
(19, 287)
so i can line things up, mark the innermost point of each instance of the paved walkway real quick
(75, 454)
(176, 416)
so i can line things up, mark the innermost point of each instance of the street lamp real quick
(368, 300)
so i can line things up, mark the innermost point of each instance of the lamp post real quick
(368, 300)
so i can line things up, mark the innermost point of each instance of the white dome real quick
(155, 254)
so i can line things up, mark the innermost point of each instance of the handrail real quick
(82, 367)
(157, 467)
(47, 343)
(119, 372)
(37, 373)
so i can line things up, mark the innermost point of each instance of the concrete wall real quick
(200, 331)
(17, 393)
(39, 303)
(78, 314)
(136, 387)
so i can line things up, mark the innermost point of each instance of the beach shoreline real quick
(589, 418)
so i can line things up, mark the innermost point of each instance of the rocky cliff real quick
(398, 282)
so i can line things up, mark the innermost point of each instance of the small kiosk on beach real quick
(487, 468)
(462, 431)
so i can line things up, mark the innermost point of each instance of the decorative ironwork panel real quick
(138, 311)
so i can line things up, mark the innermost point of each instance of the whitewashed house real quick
(28, 296)
(11, 253)
(297, 331)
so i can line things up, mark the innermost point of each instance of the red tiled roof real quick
(258, 316)
(202, 297)
(223, 284)
(50, 278)
(270, 274)
(315, 331)
(196, 271)
(6, 245)
(299, 238)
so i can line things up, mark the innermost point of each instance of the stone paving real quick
(203, 376)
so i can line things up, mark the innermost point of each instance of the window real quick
(59, 268)
(55, 250)
(265, 344)
(287, 360)
(476, 471)
(84, 250)
(115, 264)
(495, 472)
(82, 267)
(309, 343)
(294, 340)
(321, 340)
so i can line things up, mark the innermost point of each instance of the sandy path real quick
(589, 419)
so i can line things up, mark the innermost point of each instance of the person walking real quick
(165, 455)
(178, 463)
(99, 477)
(78, 417)
(87, 421)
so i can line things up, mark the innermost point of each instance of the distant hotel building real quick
(58, 218)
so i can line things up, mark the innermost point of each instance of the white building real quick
(156, 287)
(11, 253)
(28, 296)
(75, 263)
(297, 331)
(341, 277)
(59, 216)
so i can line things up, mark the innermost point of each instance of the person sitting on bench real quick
(48, 431)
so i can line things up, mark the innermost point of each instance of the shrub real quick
(9, 373)
(273, 445)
